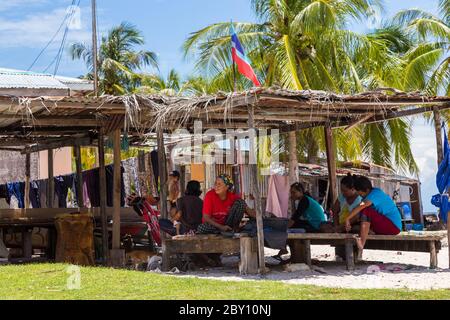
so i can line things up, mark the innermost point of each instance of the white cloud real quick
(7, 5)
(35, 30)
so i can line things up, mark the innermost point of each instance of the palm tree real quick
(154, 83)
(427, 65)
(304, 44)
(117, 59)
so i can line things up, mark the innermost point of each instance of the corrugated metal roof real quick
(19, 79)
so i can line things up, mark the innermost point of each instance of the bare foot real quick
(359, 244)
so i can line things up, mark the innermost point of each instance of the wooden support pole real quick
(27, 180)
(79, 172)
(102, 186)
(117, 254)
(440, 157)
(116, 191)
(163, 192)
(438, 132)
(331, 161)
(27, 245)
(162, 165)
(249, 256)
(256, 193)
(293, 162)
(51, 182)
(349, 255)
(182, 179)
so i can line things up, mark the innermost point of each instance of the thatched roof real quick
(27, 120)
(279, 108)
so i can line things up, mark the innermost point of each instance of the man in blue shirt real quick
(378, 212)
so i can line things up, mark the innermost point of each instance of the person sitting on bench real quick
(223, 210)
(347, 201)
(378, 212)
(188, 211)
(308, 214)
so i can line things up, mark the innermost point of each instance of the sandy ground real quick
(379, 269)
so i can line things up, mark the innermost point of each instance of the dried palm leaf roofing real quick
(29, 120)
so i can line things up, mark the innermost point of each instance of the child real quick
(347, 201)
(175, 216)
(378, 212)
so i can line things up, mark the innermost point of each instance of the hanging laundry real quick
(4, 194)
(35, 198)
(110, 186)
(127, 177)
(42, 190)
(92, 179)
(17, 189)
(278, 196)
(62, 186)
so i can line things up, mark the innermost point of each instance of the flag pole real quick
(234, 63)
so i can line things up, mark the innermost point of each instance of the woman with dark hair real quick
(378, 212)
(308, 214)
(223, 210)
(348, 200)
(188, 209)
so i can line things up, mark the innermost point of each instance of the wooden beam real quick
(67, 122)
(331, 161)
(102, 186)
(79, 175)
(51, 181)
(359, 121)
(256, 193)
(58, 144)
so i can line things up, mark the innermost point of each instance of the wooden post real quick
(102, 186)
(162, 167)
(349, 255)
(440, 157)
(51, 182)
(27, 180)
(433, 255)
(249, 256)
(162, 164)
(331, 160)
(298, 252)
(256, 193)
(182, 179)
(438, 132)
(293, 162)
(117, 254)
(79, 171)
(27, 245)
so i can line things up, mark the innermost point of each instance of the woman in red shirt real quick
(223, 210)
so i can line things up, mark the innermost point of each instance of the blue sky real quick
(27, 25)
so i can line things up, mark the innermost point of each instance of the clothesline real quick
(131, 182)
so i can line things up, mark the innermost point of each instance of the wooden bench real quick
(424, 242)
(246, 246)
